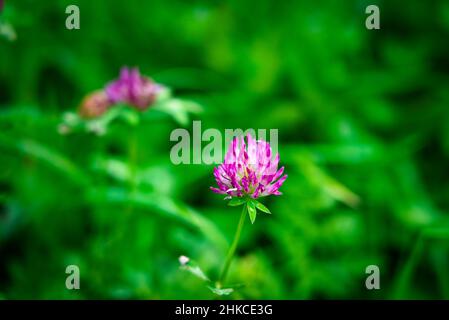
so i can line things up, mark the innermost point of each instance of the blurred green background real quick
(363, 132)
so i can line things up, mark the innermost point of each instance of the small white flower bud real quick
(183, 260)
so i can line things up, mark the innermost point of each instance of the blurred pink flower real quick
(94, 104)
(133, 89)
(249, 170)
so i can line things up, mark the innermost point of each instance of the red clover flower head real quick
(94, 104)
(249, 170)
(132, 88)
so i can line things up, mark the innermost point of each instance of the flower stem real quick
(233, 247)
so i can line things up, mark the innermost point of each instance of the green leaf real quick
(178, 109)
(236, 202)
(252, 211)
(7, 31)
(130, 116)
(261, 207)
(221, 292)
(195, 269)
(51, 158)
(165, 206)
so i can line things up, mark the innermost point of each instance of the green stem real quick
(132, 165)
(233, 247)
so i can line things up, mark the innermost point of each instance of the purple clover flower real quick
(133, 89)
(249, 170)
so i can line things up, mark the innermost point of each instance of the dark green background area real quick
(363, 133)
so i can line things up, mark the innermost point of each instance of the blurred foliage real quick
(363, 132)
